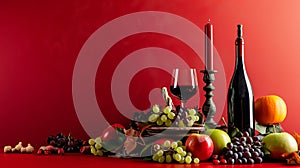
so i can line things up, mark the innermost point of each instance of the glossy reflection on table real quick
(79, 161)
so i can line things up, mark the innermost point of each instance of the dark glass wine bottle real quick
(240, 95)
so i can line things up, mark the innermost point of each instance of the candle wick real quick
(209, 20)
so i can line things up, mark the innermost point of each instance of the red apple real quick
(200, 145)
(110, 133)
(116, 125)
(113, 137)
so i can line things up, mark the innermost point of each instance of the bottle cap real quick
(240, 30)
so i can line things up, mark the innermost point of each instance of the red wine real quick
(240, 95)
(183, 92)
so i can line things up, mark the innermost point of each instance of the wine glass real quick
(184, 84)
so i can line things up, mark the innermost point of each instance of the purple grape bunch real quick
(241, 150)
(67, 142)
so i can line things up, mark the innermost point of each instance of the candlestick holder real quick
(209, 107)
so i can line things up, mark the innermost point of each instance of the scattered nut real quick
(23, 150)
(7, 149)
(29, 148)
(14, 150)
(19, 149)
(19, 146)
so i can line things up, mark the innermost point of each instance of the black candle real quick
(209, 46)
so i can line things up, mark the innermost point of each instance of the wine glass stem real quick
(183, 103)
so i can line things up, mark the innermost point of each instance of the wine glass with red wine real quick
(184, 84)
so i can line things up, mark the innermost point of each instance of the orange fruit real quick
(269, 110)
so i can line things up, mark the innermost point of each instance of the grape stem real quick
(274, 128)
(166, 97)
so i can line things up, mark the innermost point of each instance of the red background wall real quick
(40, 42)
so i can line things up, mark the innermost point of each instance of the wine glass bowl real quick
(184, 84)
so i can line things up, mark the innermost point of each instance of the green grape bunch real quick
(166, 116)
(173, 152)
(161, 116)
(96, 146)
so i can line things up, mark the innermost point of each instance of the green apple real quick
(279, 143)
(220, 139)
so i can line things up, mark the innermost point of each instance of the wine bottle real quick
(240, 96)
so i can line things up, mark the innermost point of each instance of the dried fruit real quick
(297, 137)
(291, 158)
(131, 142)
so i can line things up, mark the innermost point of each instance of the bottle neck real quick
(239, 47)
